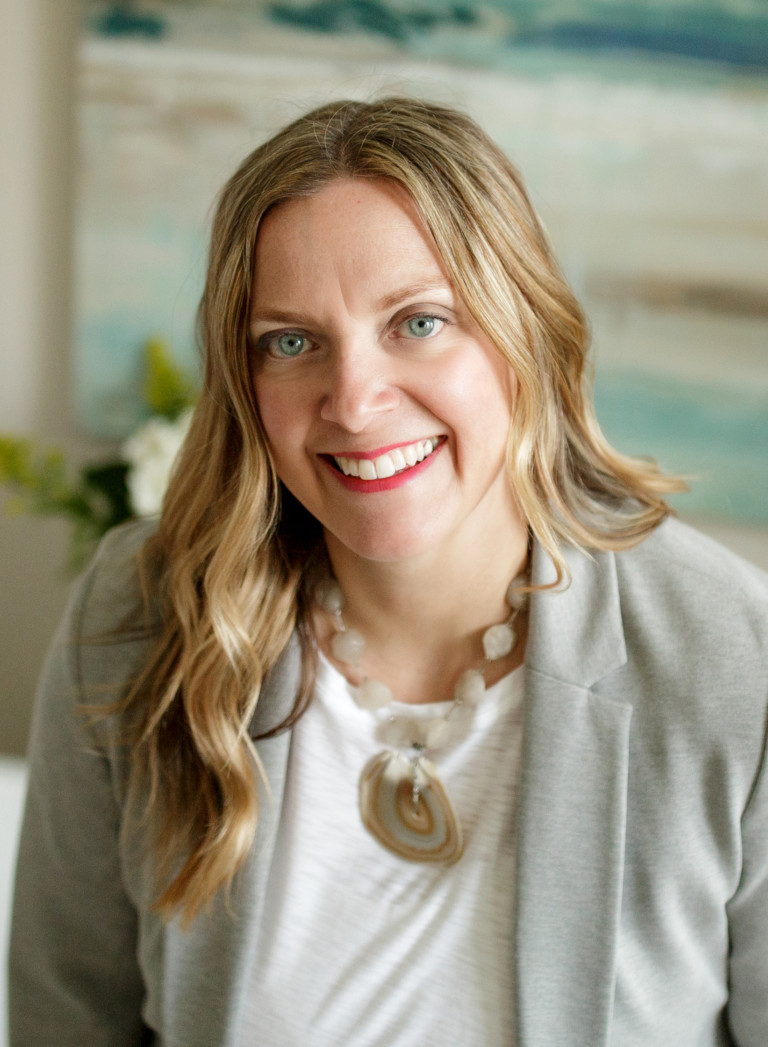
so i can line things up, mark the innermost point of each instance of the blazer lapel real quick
(572, 810)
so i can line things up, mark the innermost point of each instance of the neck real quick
(423, 618)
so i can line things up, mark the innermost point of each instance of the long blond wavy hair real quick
(236, 551)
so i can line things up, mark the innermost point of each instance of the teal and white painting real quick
(641, 129)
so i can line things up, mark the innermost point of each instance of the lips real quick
(389, 463)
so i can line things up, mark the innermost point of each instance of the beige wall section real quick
(37, 62)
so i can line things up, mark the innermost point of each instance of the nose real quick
(358, 389)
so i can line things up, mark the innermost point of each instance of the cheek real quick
(286, 417)
(277, 408)
(481, 389)
(276, 423)
(501, 377)
(486, 398)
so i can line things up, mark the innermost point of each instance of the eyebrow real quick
(413, 291)
(389, 301)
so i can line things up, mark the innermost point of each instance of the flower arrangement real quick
(104, 494)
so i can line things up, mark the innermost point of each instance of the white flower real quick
(151, 453)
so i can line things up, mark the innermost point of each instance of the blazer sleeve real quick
(748, 923)
(74, 978)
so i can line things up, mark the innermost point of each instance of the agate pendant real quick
(405, 806)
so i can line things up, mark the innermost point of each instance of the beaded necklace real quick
(403, 802)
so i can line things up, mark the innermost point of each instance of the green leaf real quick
(167, 390)
(37, 479)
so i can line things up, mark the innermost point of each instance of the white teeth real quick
(398, 459)
(387, 465)
(349, 466)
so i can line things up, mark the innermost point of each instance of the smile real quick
(397, 460)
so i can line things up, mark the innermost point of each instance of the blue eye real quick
(291, 344)
(286, 345)
(423, 326)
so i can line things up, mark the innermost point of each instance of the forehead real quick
(344, 200)
(352, 232)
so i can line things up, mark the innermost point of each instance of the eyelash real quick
(263, 343)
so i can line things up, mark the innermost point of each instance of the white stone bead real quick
(372, 694)
(389, 732)
(515, 598)
(438, 733)
(402, 731)
(498, 641)
(329, 595)
(470, 687)
(348, 646)
(460, 718)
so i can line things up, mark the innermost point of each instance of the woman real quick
(428, 724)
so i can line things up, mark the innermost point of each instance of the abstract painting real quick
(641, 130)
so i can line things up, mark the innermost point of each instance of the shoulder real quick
(112, 620)
(691, 574)
(695, 625)
(117, 589)
(687, 553)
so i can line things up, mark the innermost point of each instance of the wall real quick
(37, 63)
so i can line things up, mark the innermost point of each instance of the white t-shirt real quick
(359, 948)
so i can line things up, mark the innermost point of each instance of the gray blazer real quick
(642, 836)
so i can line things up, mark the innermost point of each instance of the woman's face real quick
(386, 409)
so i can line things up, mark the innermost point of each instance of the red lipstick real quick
(354, 483)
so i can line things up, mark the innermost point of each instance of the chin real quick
(383, 546)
